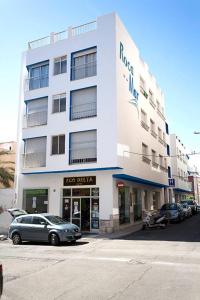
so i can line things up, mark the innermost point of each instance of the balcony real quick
(160, 114)
(144, 93)
(35, 119)
(163, 168)
(152, 103)
(155, 164)
(37, 82)
(144, 125)
(154, 134)
(146, 159)
(84, 71)
(83, 155)
(65, 34)
(34, 160)
(86, 110)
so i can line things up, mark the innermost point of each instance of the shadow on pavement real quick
(63, 244)
(186, 231)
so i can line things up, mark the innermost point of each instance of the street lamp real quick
(196, 132)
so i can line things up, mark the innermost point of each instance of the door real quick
(76, 214)
(85, 214)
(39, 231)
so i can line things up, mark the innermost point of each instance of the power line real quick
(143, 154)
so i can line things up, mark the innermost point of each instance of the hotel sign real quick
(86, 180)
(129, 66)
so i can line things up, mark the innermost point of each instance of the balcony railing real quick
(35, 119)
(163, 168)
(84, 28)
(83, 71)
(144, 125)
(161, 114)
(154, 134)
(83, 154)
(37, 82)
(86, 110)
(146, 159)
(152, 103)
(144, 93)
(34, 160)
(65, 34)
(155, 164)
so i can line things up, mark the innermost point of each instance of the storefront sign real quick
(86, 180)
(130, 69)
(120, 184)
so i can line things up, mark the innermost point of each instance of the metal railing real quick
(144, 125)
(83, 71)
(85, 110)
(58, 36)
(152, 102)
(84, 28)
(39, 42)
(146, 159)
(34, 160)
(83, 154)
(35, 119)
(65, 34)
(37, 82)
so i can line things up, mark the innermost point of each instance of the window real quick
(58, 144)
(83, 103)
(151, 99)
(153, 154)
(26, 220)
(83, 147)
(83, 64)
(60, 65)
(59, 103)
(143, 88)
(145, 157)
(167, 128)
(143, 116)
(169, 172)
(168, 150)
(158, 105)
(164, 137)
(36, 112)
(35, 200)
(38, 221)
(34, 152)
(161, 160)
(160, 133)
(124, 205)
(38, 75)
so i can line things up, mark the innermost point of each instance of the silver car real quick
(43, 228)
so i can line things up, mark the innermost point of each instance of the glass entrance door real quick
(85, 214)
(76, 215)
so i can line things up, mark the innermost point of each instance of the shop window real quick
(35, 200)
(124, 205)
(137, 201)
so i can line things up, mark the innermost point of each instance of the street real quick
(153, 264)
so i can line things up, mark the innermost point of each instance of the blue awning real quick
(139, 180)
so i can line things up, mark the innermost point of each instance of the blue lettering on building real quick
(130, 68)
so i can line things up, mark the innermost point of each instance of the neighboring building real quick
(93, 138)
(179, 164)
(7, 160)
(7, 195)
(194, 179)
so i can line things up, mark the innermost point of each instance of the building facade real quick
(93, 143)
(179, 165)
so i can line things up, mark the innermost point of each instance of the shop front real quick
(80, 202)
(35, 200)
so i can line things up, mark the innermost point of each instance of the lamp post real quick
(196, 132)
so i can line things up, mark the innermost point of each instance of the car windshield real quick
(56, 220)
(169, 206)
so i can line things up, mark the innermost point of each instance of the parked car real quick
(173, 211)
(191, 204)
(1, 279)
(187, 210)
(43, 228)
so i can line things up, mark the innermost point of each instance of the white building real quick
(92, 136)
(179, 165)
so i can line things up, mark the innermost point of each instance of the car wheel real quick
(54, 239)
(16, 239)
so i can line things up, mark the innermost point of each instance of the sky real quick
(167, 33)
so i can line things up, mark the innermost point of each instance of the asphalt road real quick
(154, 264)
